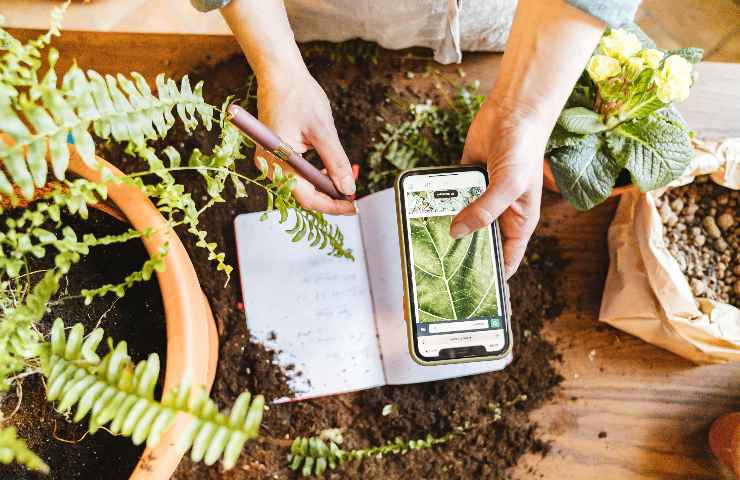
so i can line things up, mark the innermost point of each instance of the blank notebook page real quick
(315, 310)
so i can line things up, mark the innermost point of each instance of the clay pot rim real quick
(187, 313)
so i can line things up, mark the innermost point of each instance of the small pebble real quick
(720, 245)
(700, 240)
(711, 227)
(725, 221)
(677, 205)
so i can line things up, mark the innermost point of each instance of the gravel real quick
(701, 228)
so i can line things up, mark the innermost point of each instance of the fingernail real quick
(459, 229)
(347, 185)
(357, 207)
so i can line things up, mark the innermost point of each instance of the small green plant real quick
(352, 51)
(620, 115)
(312, 456)
(433, 135)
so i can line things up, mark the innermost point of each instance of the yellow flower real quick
(674, 79)
(677, 66)
(673, 90)
(652, 57)
(601, 67)
(620, 44)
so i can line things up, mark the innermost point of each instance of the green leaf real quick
(581, 120)
(654, 150)
(14, 449)
(454, 278)
(691, 54)
(561, 137)
(585, 173)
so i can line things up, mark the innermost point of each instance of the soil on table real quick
(364, 95)
(137, 318)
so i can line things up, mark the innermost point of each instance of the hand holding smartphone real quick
(456, 301)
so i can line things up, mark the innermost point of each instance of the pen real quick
(261, 135)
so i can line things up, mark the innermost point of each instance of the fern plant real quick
(40, 112)
(115, 392)
(38, 115)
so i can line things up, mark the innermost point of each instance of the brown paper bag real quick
(647, 295)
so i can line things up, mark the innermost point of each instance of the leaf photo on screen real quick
(455, 279)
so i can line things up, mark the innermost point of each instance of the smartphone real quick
(456, 300)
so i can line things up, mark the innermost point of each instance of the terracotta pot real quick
(548, 180)
(724, 441)
(192, 338)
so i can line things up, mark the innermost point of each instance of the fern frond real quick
(152, 265)
(116, 392)
(117, 108)
(14, 449)
(312, 455)
(307, 224)
(19, 341)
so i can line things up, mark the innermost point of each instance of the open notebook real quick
(340, 323)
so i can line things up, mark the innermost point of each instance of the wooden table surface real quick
(653, 408)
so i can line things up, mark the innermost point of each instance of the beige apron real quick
(446, 26)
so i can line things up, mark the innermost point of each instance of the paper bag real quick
(646, 294)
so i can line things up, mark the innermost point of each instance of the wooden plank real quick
(135, 16)
(713, 108)
(148, 54)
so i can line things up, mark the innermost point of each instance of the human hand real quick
(295, 107)
(511, 144)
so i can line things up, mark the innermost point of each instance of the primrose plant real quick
(620, 116)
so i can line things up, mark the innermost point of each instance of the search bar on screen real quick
(458, 326)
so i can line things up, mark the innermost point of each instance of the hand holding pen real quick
(295, 129)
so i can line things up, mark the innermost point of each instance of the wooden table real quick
(627, 410)
(653, 407)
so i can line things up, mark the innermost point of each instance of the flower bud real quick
(620, 44)
(601, 67)
(652, 57)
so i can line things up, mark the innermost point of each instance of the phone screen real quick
(456, 286)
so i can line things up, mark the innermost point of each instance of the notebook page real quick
(380, 236)
(315, 310)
